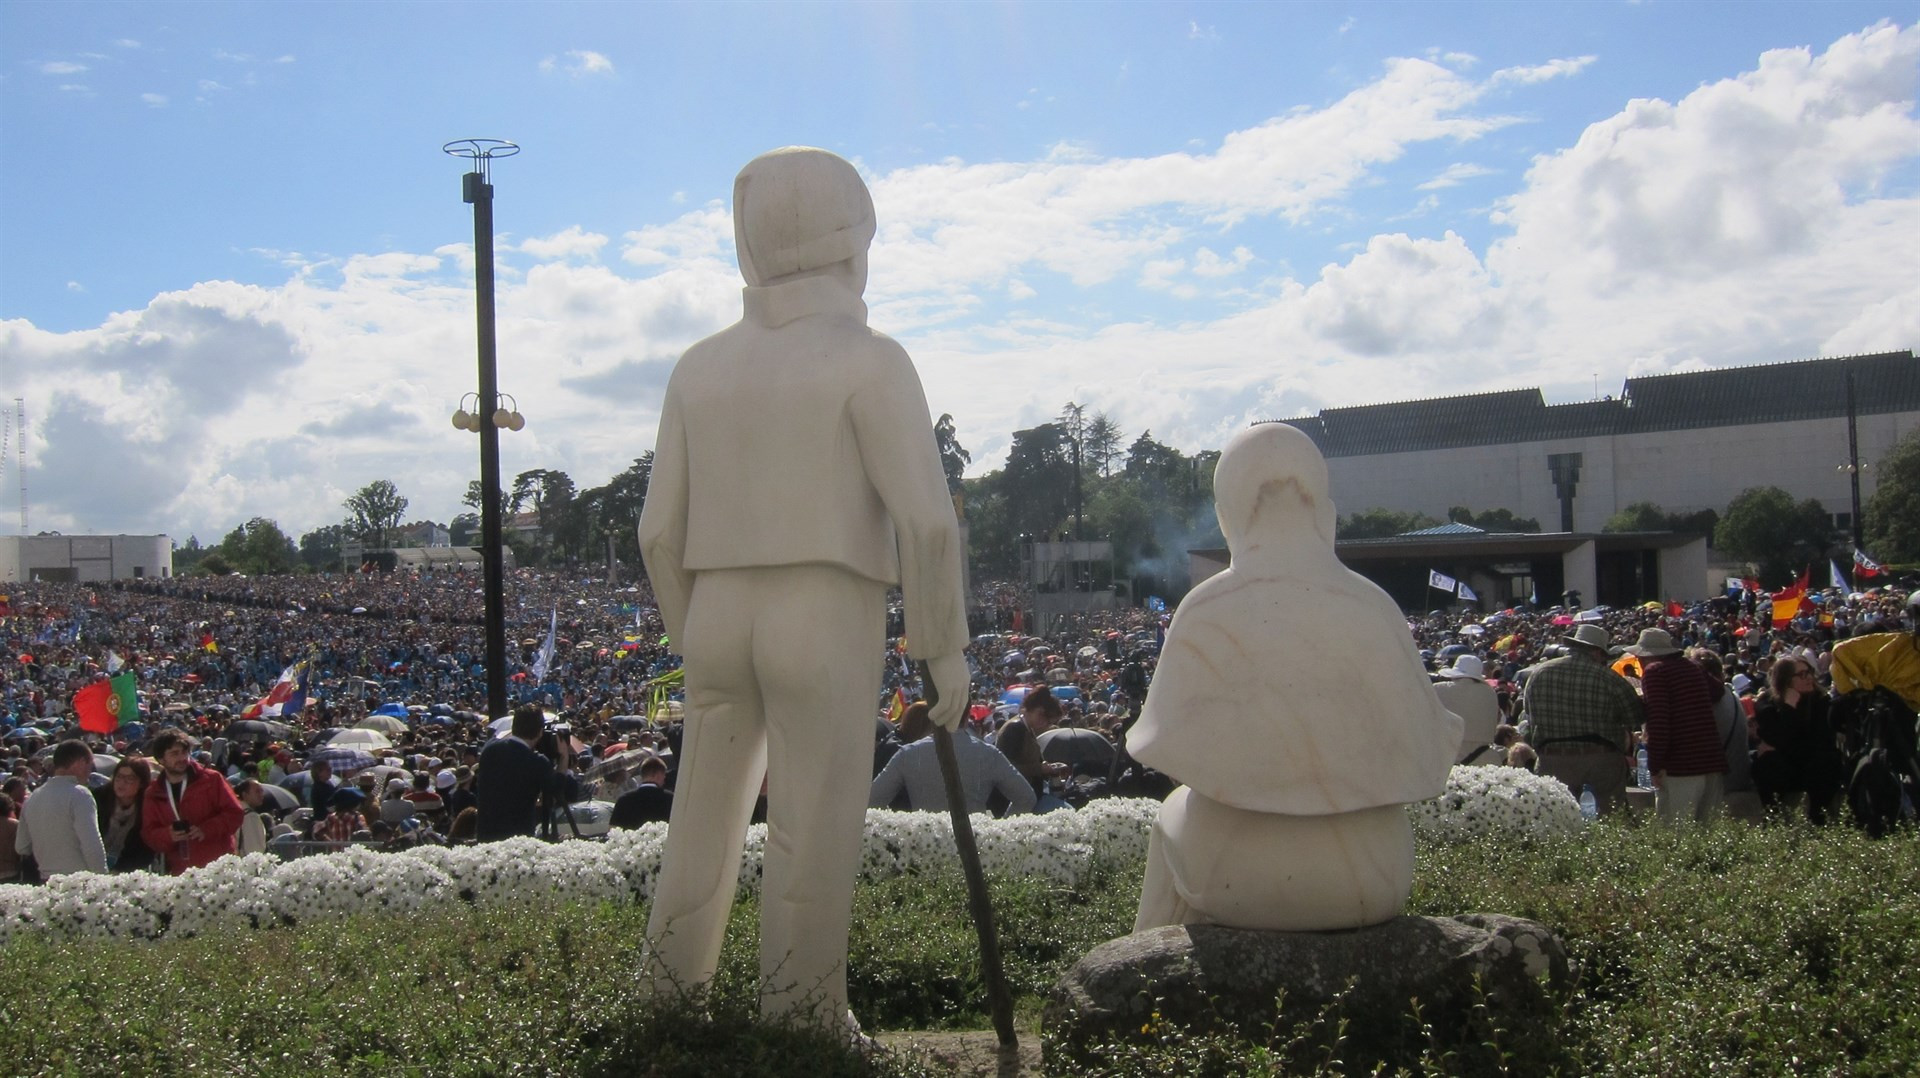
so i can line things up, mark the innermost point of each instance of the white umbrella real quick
(385, 724)
(1473, 630)
(360, 739)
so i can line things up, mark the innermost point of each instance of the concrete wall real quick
(85, 557)
(1680, 471)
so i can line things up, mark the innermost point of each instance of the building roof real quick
(1767, 393)
(1452, 527)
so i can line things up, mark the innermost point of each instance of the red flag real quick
(1863, 568)
(105, 704)
(1674, 609)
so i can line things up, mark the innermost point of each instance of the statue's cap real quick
(797, 209)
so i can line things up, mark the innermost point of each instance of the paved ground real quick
(968, 1055)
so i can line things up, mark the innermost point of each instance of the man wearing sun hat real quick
(1684, 751)
(1582, 716)
(1463, 690)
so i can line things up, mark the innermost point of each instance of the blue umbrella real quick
(1066, 692)
(343, 760)
(1015, 694)
(397, 710)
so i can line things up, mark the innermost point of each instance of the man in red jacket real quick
(1684, 751)
(191, 814)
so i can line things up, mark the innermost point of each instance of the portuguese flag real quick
(105, 705)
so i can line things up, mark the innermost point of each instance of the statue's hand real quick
(950, 678)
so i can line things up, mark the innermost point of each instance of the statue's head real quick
(1270, 491)
(798, 211)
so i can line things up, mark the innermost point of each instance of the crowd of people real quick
(1712, 706)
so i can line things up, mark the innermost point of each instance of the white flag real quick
(1439, 581)
(546, 650)
(114, 662)
(1834, 579)
(1465, 592)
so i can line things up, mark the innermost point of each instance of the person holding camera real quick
(516, 770)
(191, 815)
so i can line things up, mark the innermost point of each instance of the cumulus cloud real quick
(572, 242)
(61, 67)
(154, 101)
(578, 63)
(1552, 69)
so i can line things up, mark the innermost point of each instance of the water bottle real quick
(1589, 805)
(1643, 778)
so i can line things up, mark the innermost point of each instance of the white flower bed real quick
(1497, 801)
(259, 891)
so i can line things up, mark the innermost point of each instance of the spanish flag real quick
(1786, 603)
(897, 707)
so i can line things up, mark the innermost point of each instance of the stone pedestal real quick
(1209, 977)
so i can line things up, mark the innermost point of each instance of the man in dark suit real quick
(650, 802)
(513, 775)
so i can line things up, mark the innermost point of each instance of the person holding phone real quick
(191, 815)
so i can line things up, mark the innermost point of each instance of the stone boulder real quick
(1478, 979)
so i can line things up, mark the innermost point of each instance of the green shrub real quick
(1731, 950)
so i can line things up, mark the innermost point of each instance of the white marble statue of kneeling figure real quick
(1291, 703)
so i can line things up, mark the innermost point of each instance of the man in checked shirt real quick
(1582, 718)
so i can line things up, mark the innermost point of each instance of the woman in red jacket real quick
(191, 815)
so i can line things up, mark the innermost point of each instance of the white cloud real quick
(61, 67)
(578, 63)
(127, 43)
(1455, 174)
(208, 86)
(1552, 69)
(75, 88)
(573, 242)
(1208, 264)
(157, 101)
(76, 286)
(233, 57)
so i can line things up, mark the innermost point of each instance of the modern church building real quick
(1684, 442)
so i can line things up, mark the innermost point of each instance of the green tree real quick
(464, 530)
(1763, 525)
(259, 548)
(1493, 520)
(954, 457)
(320, 548)
(1380, 524)
(375, 510)
(1101, 445)
(1892, 527)
(549, 492)
(473, 500)
(185, 557)
(612, 510)
(1038, 480)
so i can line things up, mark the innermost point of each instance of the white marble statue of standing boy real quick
(794, 481)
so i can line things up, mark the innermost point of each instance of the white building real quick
(1684, 442)
(81, 558)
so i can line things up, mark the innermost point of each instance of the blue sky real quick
(234, 277)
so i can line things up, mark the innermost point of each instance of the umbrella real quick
(1065, 692)
(360, 739)
(344, 759)
(438, 719)
(1451, 650)
(252, 728)
(1562, 619)
(395, 709)
(501, 725)
(1015, 693)
(1473, 630)
(282, 798)
(104, 764)
(383, 723)
(1013, 658)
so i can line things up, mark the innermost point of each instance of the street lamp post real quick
(476, 189)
